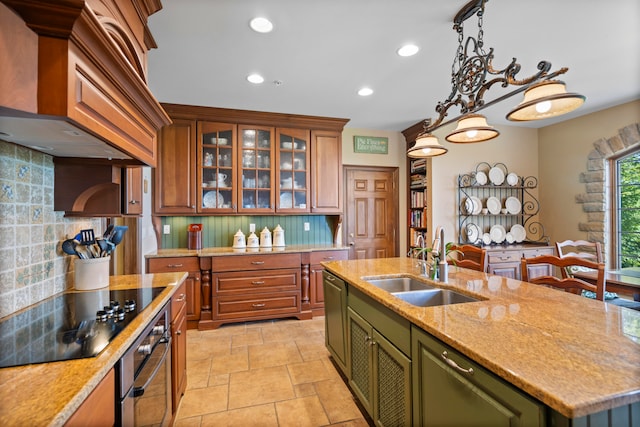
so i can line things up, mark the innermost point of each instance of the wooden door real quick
(132, 197)
(371, 210)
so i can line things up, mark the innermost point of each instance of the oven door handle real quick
(139, 391)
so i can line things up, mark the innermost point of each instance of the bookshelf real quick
(419, 201)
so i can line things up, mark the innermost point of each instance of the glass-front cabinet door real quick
(255, 169)
(292, 177)
(216, 161)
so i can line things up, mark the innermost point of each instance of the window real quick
(627, 221)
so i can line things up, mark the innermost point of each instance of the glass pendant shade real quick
(426, 145)
(544, 100)
(472, 128)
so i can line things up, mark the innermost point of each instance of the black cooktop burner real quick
(68, 326)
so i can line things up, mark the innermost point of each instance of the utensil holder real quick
(91, 273)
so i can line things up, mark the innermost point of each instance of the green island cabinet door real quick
(446, 393)
(335, 318)
(379, 373)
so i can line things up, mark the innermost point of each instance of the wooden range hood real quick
(74, 79)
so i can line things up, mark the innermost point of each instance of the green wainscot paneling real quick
(218, 231)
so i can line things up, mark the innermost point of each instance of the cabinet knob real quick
(133, 202)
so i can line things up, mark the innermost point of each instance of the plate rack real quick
(495, 181)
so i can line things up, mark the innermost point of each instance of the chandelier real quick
(472, 77)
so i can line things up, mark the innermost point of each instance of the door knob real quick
(351, 244)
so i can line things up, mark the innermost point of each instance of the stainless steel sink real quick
(433, 297)
(400, 284)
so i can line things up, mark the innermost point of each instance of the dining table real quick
(625, 281)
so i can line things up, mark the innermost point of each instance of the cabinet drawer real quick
(164, 265)
(321, 256)
(530, 253)
(503, 256)
(254, 262)
(262, 281)
(178, 301)
(232, 307)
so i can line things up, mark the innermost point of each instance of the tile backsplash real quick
(32, 264)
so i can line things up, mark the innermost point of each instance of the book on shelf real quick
(418, 199)
(418, 165)
(417, 180)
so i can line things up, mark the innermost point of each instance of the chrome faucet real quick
(423, 264)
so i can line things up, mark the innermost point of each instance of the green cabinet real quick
(451, 390)
(335, 318)
(379, 372)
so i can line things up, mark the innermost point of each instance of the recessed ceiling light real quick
(261, 25)
(365, 91)
(408, 50)
(255, 78)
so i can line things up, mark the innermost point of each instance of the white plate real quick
(473, 233)
(510, 238)
(477, 205)
(496, 175)
(494, 206)
(486, 238)
(481, 178)
(513, 205)
(210, 199)
(286, 201)
(512, 179)
(497, 233)
(518, 232)
(467, 206)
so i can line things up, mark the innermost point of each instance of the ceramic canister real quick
(265, 238)
(278, 236)
(252, 241)
(238, 240)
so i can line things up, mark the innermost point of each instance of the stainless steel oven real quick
(144, 377)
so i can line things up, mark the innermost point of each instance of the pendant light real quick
(472, 128)
(545, 99)
(426, 145)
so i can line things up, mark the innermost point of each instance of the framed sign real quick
(371, 144)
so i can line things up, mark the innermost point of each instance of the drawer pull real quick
(258, 282)
(174, 265)
(257, 262)
(330, 278)
(505, 258)
(328, 257)
(181, 298)
(454, 365)
(260, 305)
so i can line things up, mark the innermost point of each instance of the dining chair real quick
(570, 284)
(591, 251)
(469, 256)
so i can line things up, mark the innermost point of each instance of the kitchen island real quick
(48, 394)
(577, 356)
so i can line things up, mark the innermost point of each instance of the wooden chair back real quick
(591, 251)
(469, 256)
(570, 284)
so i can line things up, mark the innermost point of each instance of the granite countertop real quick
(219, 251)
(47, 394)
(578, 356)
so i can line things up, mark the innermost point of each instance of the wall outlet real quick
(252, 228)
(307, 226)
(167, 229)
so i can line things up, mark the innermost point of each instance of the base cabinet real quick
(506, 261)
(192, 283)
(99, 409)
(335, 319)
(450, 389)
(316, 290)
(178, 346)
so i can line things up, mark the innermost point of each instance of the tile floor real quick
(269, 373)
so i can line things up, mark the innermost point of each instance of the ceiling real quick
(323, 52)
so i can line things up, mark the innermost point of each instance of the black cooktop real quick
(68, 326)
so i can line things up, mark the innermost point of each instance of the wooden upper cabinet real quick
(132, 187)
(326, 183)
(174, 180)
(248, 162)
(215, 163)
(292, 177)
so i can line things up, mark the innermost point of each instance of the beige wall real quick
(396, 157)
(563, 152)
